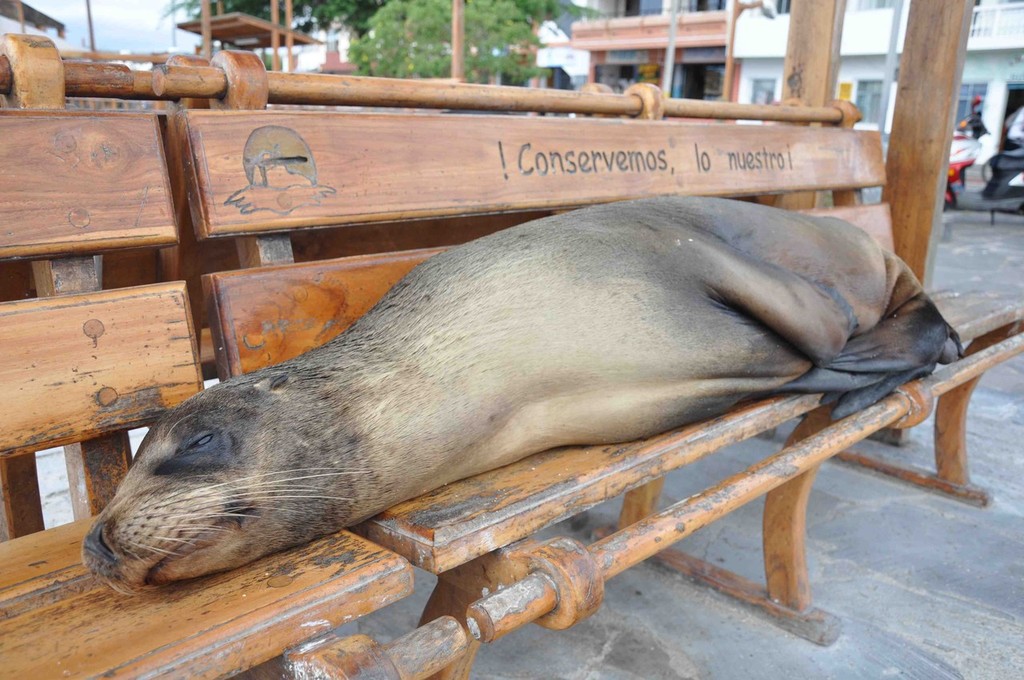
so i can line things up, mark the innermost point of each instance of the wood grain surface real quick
(875, 219)
(78, 366)
(57, 621)
(81, 183)
(261, 317)
(267, 171)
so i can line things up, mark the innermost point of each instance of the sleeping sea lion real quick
(601, 325)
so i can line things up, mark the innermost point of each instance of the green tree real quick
(309, 14)
(412, 38)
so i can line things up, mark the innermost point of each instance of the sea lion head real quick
(234, 473)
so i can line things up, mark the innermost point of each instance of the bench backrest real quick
(81, 183)
(261, 317)
(80, 366)
(260, 171)
(255, 172)
(77, 186)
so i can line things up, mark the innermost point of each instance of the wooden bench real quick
(81, 366)
(392, 166)
(124, 356)
(293, 89)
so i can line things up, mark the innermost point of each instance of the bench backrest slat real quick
(875, 219)
(271, 314)
(261, 317)
(78, 366)
(74, 183)
(275, 170)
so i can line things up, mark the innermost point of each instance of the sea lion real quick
(601, 325)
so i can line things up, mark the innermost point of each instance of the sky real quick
(134, 25)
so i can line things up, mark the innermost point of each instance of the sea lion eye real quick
(201, 440)
(205, 452)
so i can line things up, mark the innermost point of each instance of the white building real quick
(994, 67)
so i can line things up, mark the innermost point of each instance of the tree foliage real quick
(412, 38)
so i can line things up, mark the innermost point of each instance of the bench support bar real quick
(951, 477)
(811, 624)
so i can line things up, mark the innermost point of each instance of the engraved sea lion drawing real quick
(281, 172)
(600, 325)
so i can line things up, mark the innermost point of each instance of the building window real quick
(642, 7)
(864, 5)
(763, 91)
(869, 99)
(704, 5)
(968, 91)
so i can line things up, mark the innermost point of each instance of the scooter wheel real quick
(986, 171)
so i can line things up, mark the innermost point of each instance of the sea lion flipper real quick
(905, 345)
(816, 320)
(913, 336)
(857, 400)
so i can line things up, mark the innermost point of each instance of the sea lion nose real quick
(97, 545)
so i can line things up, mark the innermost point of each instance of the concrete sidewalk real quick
(925, 587)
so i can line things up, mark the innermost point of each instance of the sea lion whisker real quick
(119, 587)
(282, 484)
(332, 471)
(242, 493)
(151, 548)
(289, 480)
(310, 497)
(174, 540)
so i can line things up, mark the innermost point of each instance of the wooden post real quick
(735, 7)
(275, 35)
(289, 39)
(207, 30)
(458, 49)
(930, 69)
(812, 65)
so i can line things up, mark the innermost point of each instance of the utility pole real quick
(670, 51)
(88, 15)
(890, 66)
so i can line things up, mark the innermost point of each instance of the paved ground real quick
(926, 587)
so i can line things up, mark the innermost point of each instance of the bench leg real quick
(464, 585)
(452, 599)
(787, 598)
(951, 477)
(95, 468)
(21, 510)
(640, 502)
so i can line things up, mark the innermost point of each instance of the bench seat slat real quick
(274, 171)
(57, 621)
(77, 366)
(975, 313)
(463, 520)
(82, 183)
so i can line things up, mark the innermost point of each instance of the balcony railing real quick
(996, 25)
